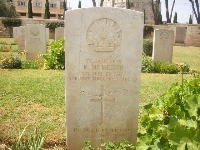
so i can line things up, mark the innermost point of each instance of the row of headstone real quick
(32, 38)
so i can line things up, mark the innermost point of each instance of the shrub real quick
(165, 67)
(150, 66)
(11, 63)
(147, 64)
(148, 47)
(53, 25)
(11, 22)
(147, 30)
(173, 121)
(55, 57)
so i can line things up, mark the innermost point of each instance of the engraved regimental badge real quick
(164, 35)
(34, 31)
(104, 35)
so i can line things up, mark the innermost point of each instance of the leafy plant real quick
(147, 64)
(173, 121)
(35, 142)
(148, 47)
(55, 57)
(125, 145)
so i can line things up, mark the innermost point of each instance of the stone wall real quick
(193, 36)
(5, 32)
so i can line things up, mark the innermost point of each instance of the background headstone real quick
(47, 35)
(21, 38)
(15, 33)
(35, 42)
(163, 45)
(103, 52)
(180, 35)
(59, 33)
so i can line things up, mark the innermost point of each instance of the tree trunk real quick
(172, 10)
(167, 11)
(194, 10)
(94, 3)
(198, 14)
(156, 10)
(101, 3)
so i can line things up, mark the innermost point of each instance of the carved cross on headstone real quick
(101, 100)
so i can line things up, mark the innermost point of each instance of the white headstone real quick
(103, 66)
(59, 33)
(35, 42)
(21, 38)
(15, 34)
(180, 35)
(163, 45)
(47, 35)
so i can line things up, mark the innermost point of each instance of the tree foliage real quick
(175, 18)
(79, 4)
(30, 11)
(195, 8)
(47, 10)
(190, 20)
(8, 10)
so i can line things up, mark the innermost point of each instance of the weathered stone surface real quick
(59, 33)
(103, 64)
(47, 35)
(163, 45)
(21, 38)
(35, 42)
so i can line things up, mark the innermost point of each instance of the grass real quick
(36, 97)
(190, 55)
(9, 43)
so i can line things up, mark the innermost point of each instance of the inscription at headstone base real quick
(59, 33)
(35, 42)
(163, 45)
(103, 51)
